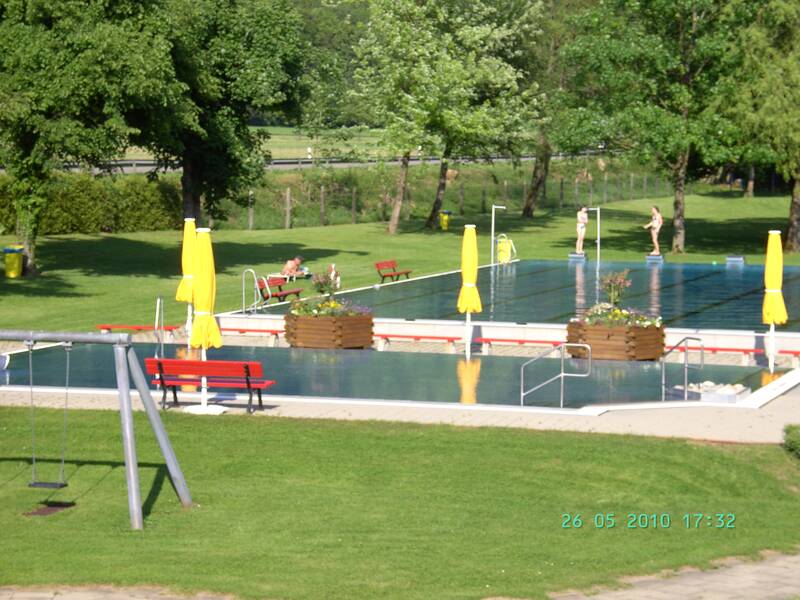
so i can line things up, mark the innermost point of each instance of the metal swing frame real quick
(127, 367)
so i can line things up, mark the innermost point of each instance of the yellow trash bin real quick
(444, 220)
(506, 251)
(13, 260)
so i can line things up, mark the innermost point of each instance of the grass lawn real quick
(323, 509)
(90, 279)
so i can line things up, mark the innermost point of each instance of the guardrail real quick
(562, 375)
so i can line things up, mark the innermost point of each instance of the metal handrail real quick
(561, 347)
(256, 298)
(158, 327)
(686, 366)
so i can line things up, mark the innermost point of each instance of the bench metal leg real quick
(260, 404)
(175, 395)
(249, 401)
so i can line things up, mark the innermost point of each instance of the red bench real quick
(388, 268)
(236, 374)
(265, 285)
(449, 339)
(487, 342)
(107, 327)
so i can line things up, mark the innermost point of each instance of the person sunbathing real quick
(293, 268)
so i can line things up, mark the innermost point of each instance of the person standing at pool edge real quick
(583, 219)
(656, 221)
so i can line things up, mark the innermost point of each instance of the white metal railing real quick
(158, 327)
(256, 294)
(686, 365)
(561, 375)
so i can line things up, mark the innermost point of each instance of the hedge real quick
(83, 203)
(791, 439)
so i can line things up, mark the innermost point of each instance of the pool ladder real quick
(256, 292)
(686, 365)
(158, 327)
(562, 375)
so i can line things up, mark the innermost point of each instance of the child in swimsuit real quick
(583, 219)
(656, 221)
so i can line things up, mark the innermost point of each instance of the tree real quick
(436, 74)
(69, 71)
(644, 80)
(761, 95)
(232, 57)
(542, 60)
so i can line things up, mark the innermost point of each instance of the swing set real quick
(127, 368)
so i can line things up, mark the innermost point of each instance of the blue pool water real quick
(686, 295)
(369, 374)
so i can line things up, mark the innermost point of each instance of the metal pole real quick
(686, 371)
(175, 473)
(562, 376)
(468, 335)
(128, 438)
(663, 379)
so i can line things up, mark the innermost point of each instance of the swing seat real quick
(48, 485)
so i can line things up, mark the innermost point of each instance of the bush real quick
(84, 203)
(791, 439)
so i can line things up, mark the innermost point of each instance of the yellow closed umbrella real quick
(205, 331)
(184, 293)
(469, 300)
(469, 374)
(773, 311)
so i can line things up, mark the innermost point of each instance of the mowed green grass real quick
(91, 279)
(323, 509)
(288, 142)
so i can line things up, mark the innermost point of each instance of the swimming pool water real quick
(686, 295)
(369, 374)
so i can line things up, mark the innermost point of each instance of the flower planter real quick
(306, 331)
(616, 343)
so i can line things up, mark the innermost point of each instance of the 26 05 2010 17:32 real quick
(657, 520)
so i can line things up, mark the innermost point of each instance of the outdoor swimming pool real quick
(420, 377)
(686, 295)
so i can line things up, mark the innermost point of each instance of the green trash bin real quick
(13, 260)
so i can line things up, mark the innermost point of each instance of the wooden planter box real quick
(303, 331)
(616, 343)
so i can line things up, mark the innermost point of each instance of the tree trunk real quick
(751, 181)
(397, 203)
(792, 242)
(433, 218)
(541, 168)
(191, 199)
(29, 235)
(678, 205)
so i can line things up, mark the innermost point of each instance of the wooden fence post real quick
(250, 210)
(322, 205)
(483, 199)
(287, 203)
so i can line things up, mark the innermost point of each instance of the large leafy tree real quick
(437, 74)
(232, 57)
(762, 94)
(644, 81)
(69, 72)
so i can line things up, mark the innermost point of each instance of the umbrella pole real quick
(772, 347)
(468, 335)
(188, 326)
(203, 383)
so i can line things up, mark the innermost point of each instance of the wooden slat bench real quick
(388, 268)
(385, 337)
(232, 374)
(265, 285)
